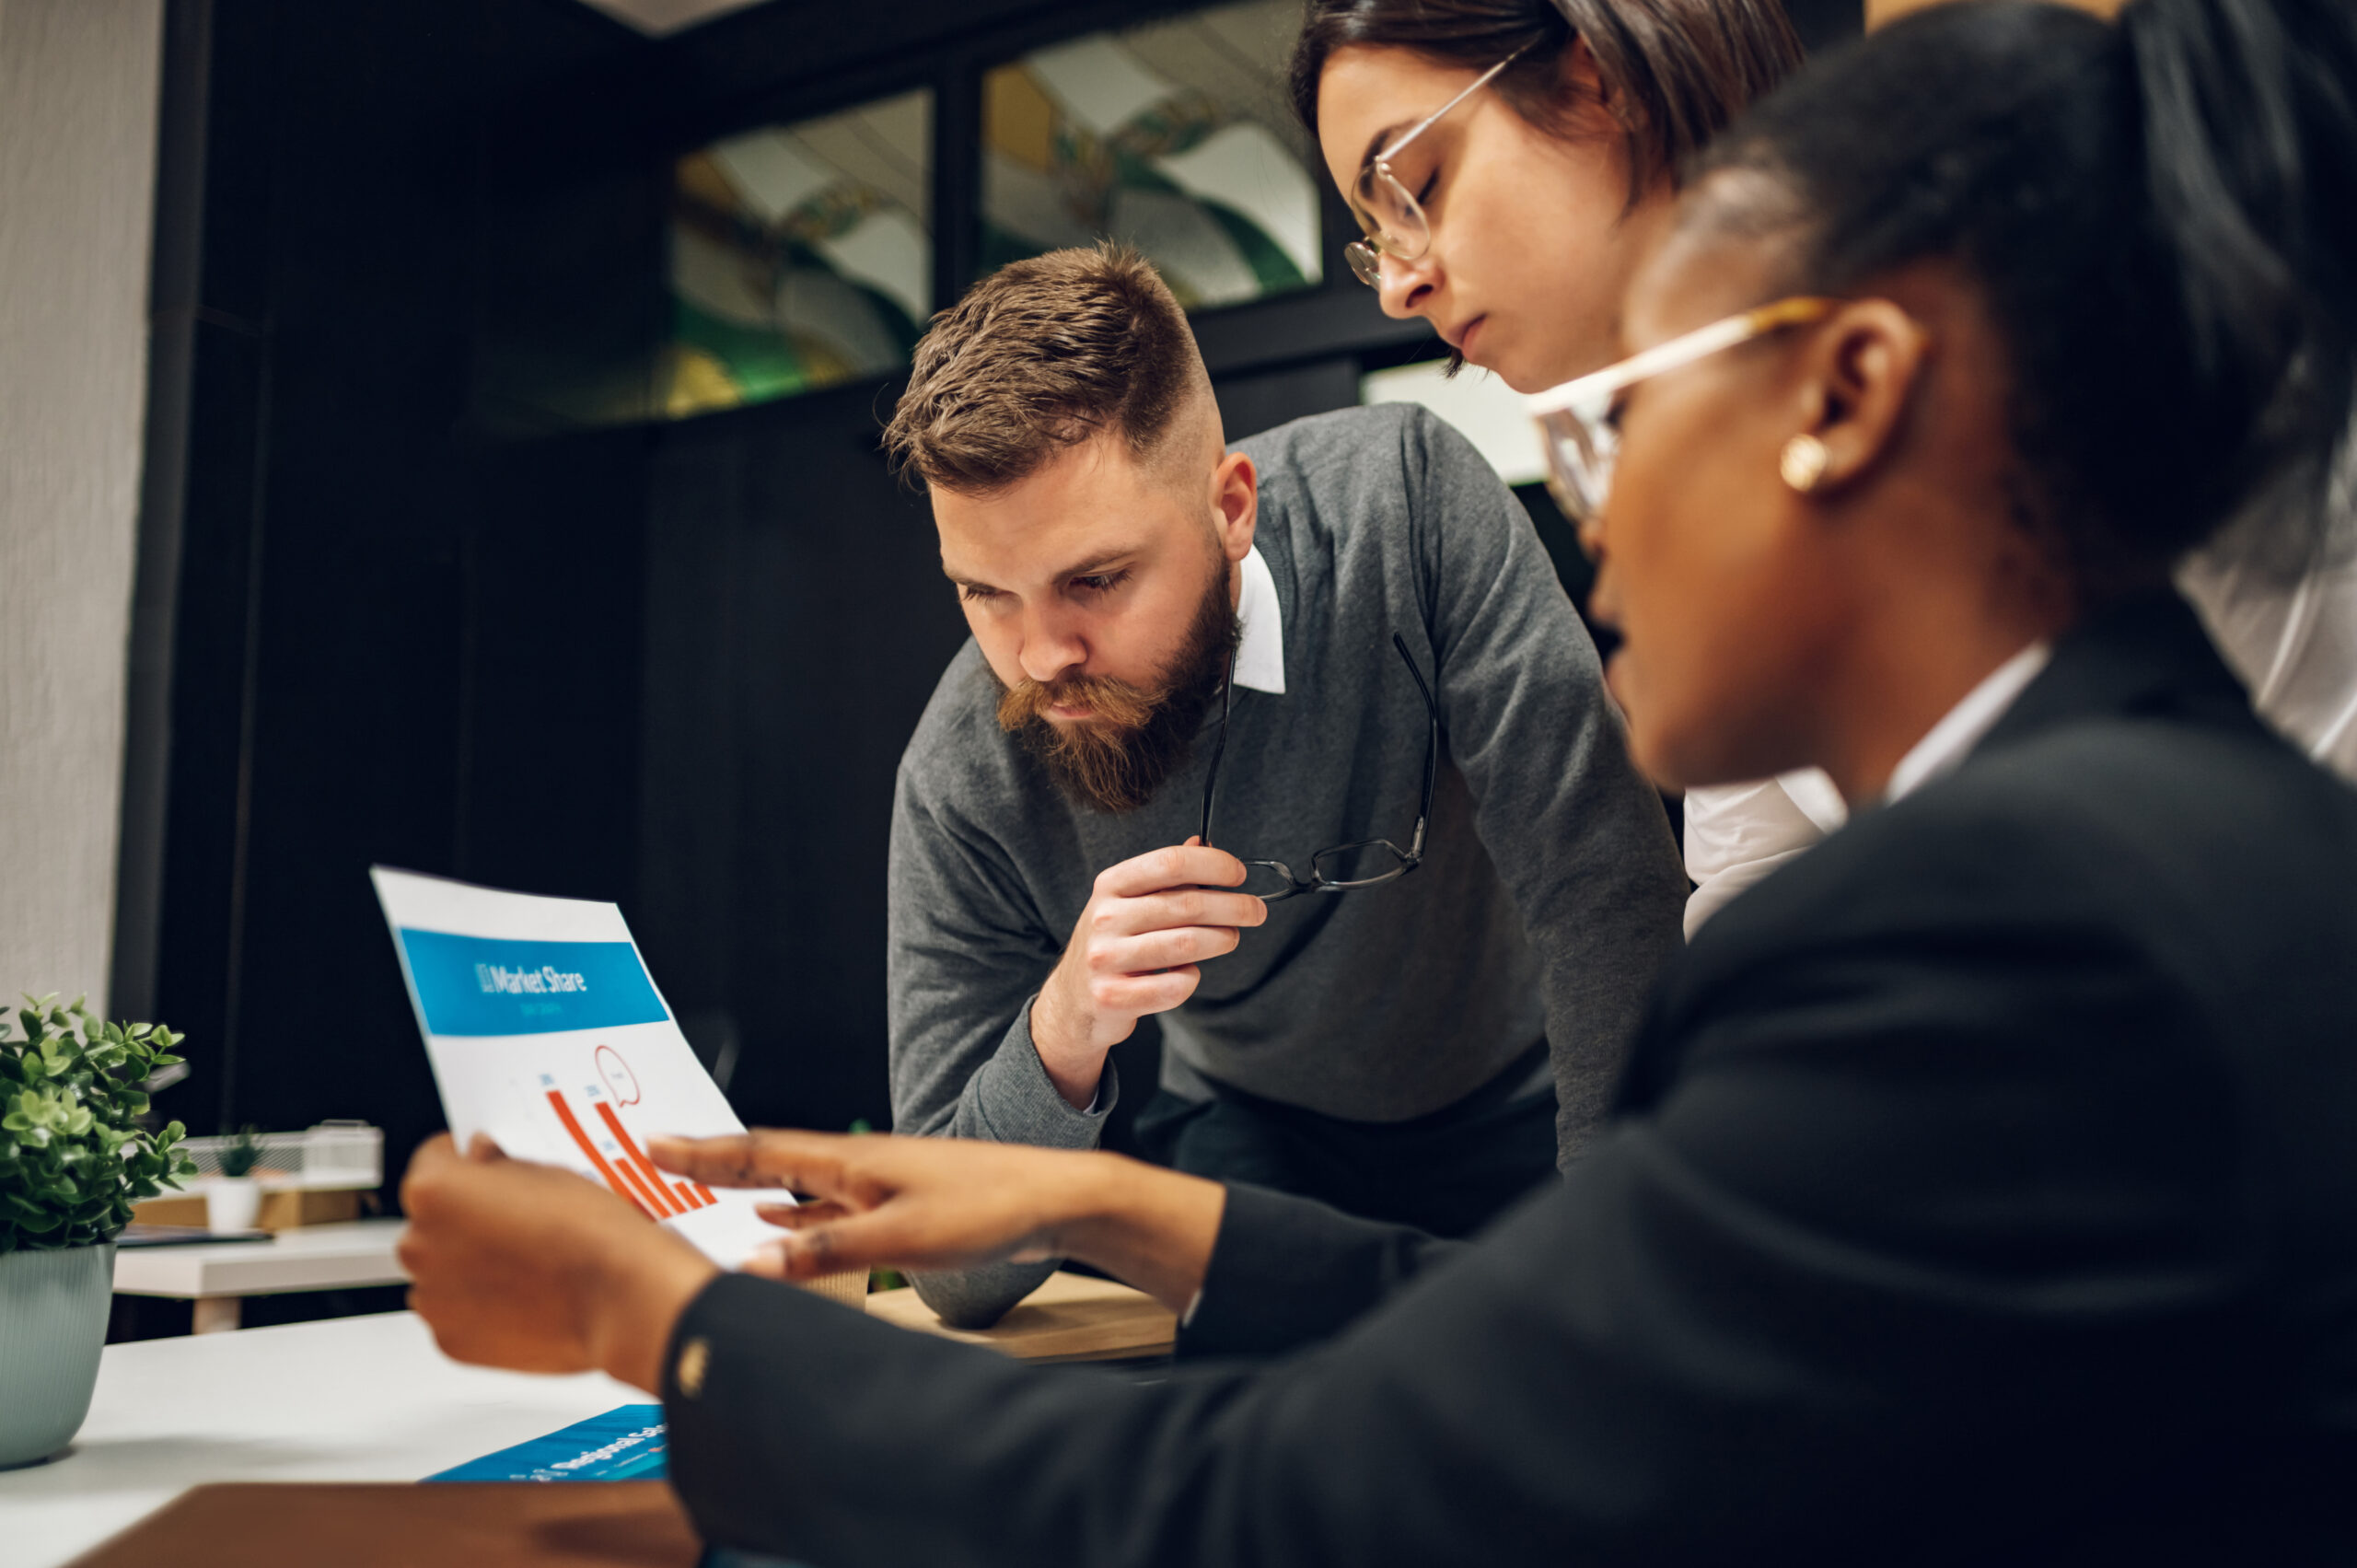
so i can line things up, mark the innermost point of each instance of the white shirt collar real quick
(1260, 649)
(1946, 743)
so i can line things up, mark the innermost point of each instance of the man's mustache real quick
(1115, 704)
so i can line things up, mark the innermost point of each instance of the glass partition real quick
(801, 256)
(1174, 137)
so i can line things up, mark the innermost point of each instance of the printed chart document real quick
(546, 1032)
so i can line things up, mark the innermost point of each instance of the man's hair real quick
(1042, 356)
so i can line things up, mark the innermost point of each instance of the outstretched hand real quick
(949, 1203)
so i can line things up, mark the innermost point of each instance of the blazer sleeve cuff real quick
(1287, 1272)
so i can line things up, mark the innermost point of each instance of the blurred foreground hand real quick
(533, 1268)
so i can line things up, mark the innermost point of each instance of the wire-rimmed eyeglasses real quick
(1368, 863)
(1387, 210)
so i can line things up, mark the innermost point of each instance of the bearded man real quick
(1337, 651)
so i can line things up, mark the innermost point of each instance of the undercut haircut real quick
(1043, 356)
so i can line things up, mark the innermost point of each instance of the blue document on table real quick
(624, 1443)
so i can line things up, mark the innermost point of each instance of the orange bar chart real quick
(572, 1126)
(652, 1197)
(682, 1195)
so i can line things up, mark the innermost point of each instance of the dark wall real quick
(388, 639)
(798, 622)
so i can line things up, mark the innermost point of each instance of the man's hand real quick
(533, 1268)
(1134, 951)
(950, 1203)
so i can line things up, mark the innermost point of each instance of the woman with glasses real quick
(1509, 159)
(1983, 1191)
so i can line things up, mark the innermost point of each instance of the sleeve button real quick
(694, 1357)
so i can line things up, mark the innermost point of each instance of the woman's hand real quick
(953, 1203)
(530, 1267)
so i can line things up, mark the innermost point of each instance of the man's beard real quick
(1135, 737)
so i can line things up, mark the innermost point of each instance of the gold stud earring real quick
(1803, 463)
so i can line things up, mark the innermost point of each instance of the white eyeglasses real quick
(1576, 418)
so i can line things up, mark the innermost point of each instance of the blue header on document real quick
(488, 986)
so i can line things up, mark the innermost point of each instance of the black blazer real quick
(1985, 1191)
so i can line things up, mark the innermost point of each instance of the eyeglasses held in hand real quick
(1579, 421)
(1344, 868)
(1387, 210)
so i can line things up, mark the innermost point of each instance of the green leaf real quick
(72, 1157)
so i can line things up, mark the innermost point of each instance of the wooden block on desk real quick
(1071, 1318)
(181, 1208)
(280, 1211)
(621, 1524)
(849, 1287)
(285, 1211)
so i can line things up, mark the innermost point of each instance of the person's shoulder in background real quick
(1356, 463)
(1339, 442)
(1374, 503)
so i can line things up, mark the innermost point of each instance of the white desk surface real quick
(349, 1398)
(317, 1256)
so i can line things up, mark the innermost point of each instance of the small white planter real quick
(53, 1325)
(231, 1202)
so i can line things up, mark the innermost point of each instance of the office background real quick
(442, 433)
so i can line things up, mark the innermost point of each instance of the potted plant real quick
(72, 1161)
(233, 1199)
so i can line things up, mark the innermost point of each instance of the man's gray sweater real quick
(1550, 893)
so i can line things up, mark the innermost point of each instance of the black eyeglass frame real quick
(1410, 858)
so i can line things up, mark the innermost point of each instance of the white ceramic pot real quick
(53, 1325)
(231, 1202)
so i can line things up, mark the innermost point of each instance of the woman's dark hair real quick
(1673, 72)
(2161, 217)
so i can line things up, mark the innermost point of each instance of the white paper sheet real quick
(545, 1031)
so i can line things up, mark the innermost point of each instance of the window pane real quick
(1173, 136)
(801, 256)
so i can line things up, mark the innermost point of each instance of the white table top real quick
(317, 1256)
(350, 1399)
